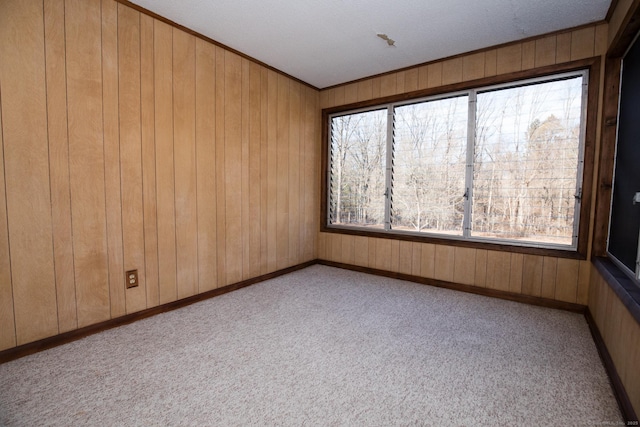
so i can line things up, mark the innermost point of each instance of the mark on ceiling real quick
(386, 38)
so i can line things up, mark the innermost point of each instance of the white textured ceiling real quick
(327, 42)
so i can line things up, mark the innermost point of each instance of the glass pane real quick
(357, 175)
(429, 143)
(526, 162)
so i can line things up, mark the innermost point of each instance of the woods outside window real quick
(500, 163)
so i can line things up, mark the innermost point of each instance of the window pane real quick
(358, 155)
(429, 143)
(526, 161)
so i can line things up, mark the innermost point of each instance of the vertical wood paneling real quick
(528, 55)
(563, 48)
(549, 268)
(206, 164)
(361, 251)
(584, 276)
(165, 176)
(129, 106)
(601, 41)
(416, 258)
(498, 269)
(334, 247)
(388, 84)
(411, 80)
(509, 59)
(7, 317)
(375, 87)
(532, 275)
(545, 51)
(473, 66)
(348, 249)
(434, 74)
(405, 257)
(400, 78)
(308, 201)
(147, 118)
(371, 262)
(567, 280)
(86, 159)
(351, 93)
(490, 63)
(452, 71)
(282, 171)
(112, 157)
(233, 165)
(272, 169)
(444, 262)
(423, 77)
(245, 225)
(464, 265)
(428, 260)
(184, 149)
(264, 163)
(515, 273)
(255, 183)
(221, 217)
(26, 168)
(582, 43)
(59, 167)
(480, 278)
(365, 90)
(383, 254)
(294, 173)
(338, 95)
(394, 256)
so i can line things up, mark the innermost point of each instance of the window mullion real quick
(468, 179)
(388, 205)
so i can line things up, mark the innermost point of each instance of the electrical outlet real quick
(132, 278)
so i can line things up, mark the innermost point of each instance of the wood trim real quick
(592, 64)
(467, 54)
(207, 39)
(525, 299)
(608, 135)
(612, 8)
(67, 337)
(619, 391)
(628, 30)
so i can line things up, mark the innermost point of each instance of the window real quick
(493, 164)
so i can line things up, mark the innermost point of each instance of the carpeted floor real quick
(322, 346)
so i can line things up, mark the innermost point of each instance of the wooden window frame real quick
(590, 64)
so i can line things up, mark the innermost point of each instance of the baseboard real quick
(494, 293)
(616, 382)
(66, 337)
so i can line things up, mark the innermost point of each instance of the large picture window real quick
(498, 163)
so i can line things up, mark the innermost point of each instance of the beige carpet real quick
(322, 346)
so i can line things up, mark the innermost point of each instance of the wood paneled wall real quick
(541, 276)
(130, 144)
(620, 332)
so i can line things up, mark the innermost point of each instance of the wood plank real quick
(348, 249)
(309, 211)
(490, 63)
(515, 273)
(601, 40)
(338, 95)
(498, 269)
(509, 59)
(388, 84)
(563, 48)
(567, 280)
(473, 66)
(532, 275)
(434, 75)
(184, 151)
(129, 107)
(549, 269)
(428, 263)
(464, 265)
(584, 276)
(528, 55)
(444, 262)
(452, 71)
(165, 180)
(56, 78)
(383, 254)
(26, 163)
(480, 277)
(351, 93)
(334, 247)
(206, 165)
(7, 316)
(411, 80)
(416, 258)
(371, 262)
(294, 173)
(272, 172)
(147, 117)
(375, 87)
(322, 246)
(86, 159)
(264, 167)
(545, 51)
(111, 135)
(233, 165)
(282, 171)
(245, 227)
(405, 257)
(365, 90)
(361, 251)
(400, 77)
(394, 256)
(583, 43)
(255, 157)
(221, 216)
(423, 77)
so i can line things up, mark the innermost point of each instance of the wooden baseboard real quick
(64, 338)
(624, 403)
(526, 299)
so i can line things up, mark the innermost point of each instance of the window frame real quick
(591, 65)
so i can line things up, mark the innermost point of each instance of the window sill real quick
(622, 285)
